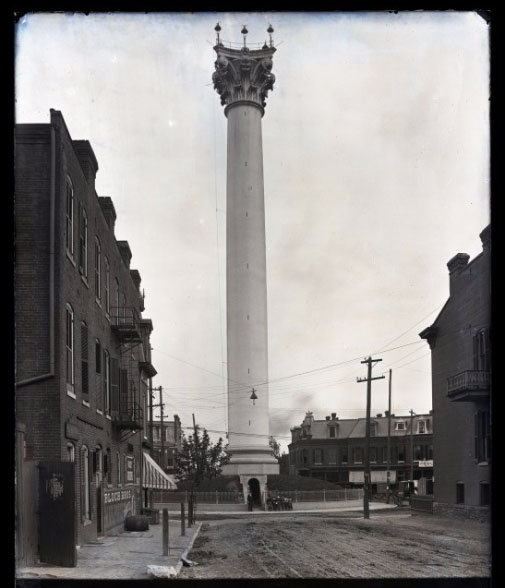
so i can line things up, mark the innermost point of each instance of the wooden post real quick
(183, 520)
(166, 546)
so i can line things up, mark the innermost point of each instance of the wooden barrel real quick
(136, 523)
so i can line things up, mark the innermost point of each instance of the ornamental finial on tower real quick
(217, 28)
(244, 74)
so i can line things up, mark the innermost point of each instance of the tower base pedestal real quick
(253, 471)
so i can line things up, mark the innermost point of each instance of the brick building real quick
(166, 441)
(83, 359)
(460, 346)
(333, 449)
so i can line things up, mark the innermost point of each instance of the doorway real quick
(254, 489)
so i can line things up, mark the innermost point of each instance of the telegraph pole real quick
(367, 485)
(162, 432)
(412, 413)
(388, 474)
(161, 406)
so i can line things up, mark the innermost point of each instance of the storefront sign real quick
(426, 463)
(117, 496)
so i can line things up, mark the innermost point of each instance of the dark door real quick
(254, 487)
(56, 513)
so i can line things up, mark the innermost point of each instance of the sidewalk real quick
(125, 555)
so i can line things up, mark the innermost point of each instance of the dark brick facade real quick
(334, 449)
(61, 418)
(461, 386)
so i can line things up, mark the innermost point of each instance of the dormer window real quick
(373, 429)
(400, 426)
(332, 431)
(421, 427)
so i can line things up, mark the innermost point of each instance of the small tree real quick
(199, 458)
(276, 447)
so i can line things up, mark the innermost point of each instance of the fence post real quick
(183, 521)
(166, 546)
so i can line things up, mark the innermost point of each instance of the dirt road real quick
(385, 546)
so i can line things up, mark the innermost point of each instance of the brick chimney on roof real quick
(87, 159)
(126, 254)
(109, 212)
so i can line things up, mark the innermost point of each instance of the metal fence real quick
(215, 497)
(320, 495)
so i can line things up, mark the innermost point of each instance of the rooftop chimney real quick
(457, 263)
(379, 415)
(333, 415)
(386, 413)
(327, 418)
(485, 237)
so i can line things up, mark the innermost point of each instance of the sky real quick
(376, 170)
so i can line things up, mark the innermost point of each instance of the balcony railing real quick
(469, 385)
(130, 416)
(125, 322)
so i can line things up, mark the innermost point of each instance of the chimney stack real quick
(108, 211)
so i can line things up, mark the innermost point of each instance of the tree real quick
(276, 447)
(199, 458)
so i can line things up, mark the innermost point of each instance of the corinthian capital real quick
(243, 75)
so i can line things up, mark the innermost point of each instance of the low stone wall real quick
(462, 511)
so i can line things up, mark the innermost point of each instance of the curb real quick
(178, 566)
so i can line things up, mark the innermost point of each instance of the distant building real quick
(460, 343)
(83, 355)
(171, 434)
(333, 449)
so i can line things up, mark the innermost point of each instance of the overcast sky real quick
(376, 163)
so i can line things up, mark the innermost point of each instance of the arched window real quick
(70, 452)
(481, 351)
(69, 343)
(106, 381)
(84, 361)
(98, 270)
(69, 236)
(85, 485)
(83, 242)
(107, 286)
(98, 465)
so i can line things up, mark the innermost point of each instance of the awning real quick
(154, 477)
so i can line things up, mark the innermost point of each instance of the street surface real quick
(388, 545)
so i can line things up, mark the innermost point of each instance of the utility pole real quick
(388, 474)
(412, 413)
(367, 485)
(163, 461)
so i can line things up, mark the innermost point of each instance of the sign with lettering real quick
(116, 496)
(425, 463)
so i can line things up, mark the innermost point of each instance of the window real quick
(481, 351)
(98, 270)
(332, 456)
(304, 457)
(373, 454)
(344, 455)
(419, 452)
(107, 286)
(98, 464)
(84, 361)
(318, 456)
(130, 469)
(69, 237)
(430, 452)
(167, 433)
(421, 427)
(70, 347)
(373, 429)
(482, 435)
(70, 452)
(400, 426)
(119, 469)
(106, 381)
(107, 467)
(485, 494)
(98, 356)
(358, 455)
(331, 431)
(85, 485)
(460, 493)
(83, 242)
(384, 455)
(401, 453)
(116, 314)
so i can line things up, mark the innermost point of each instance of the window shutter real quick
(114, 386)
(123, 391)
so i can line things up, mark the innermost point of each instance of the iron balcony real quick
(469, 385)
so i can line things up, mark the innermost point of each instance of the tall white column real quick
(243, 78)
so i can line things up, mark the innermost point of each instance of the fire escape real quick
(127, 413)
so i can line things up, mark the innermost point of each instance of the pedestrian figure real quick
(249, 502)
